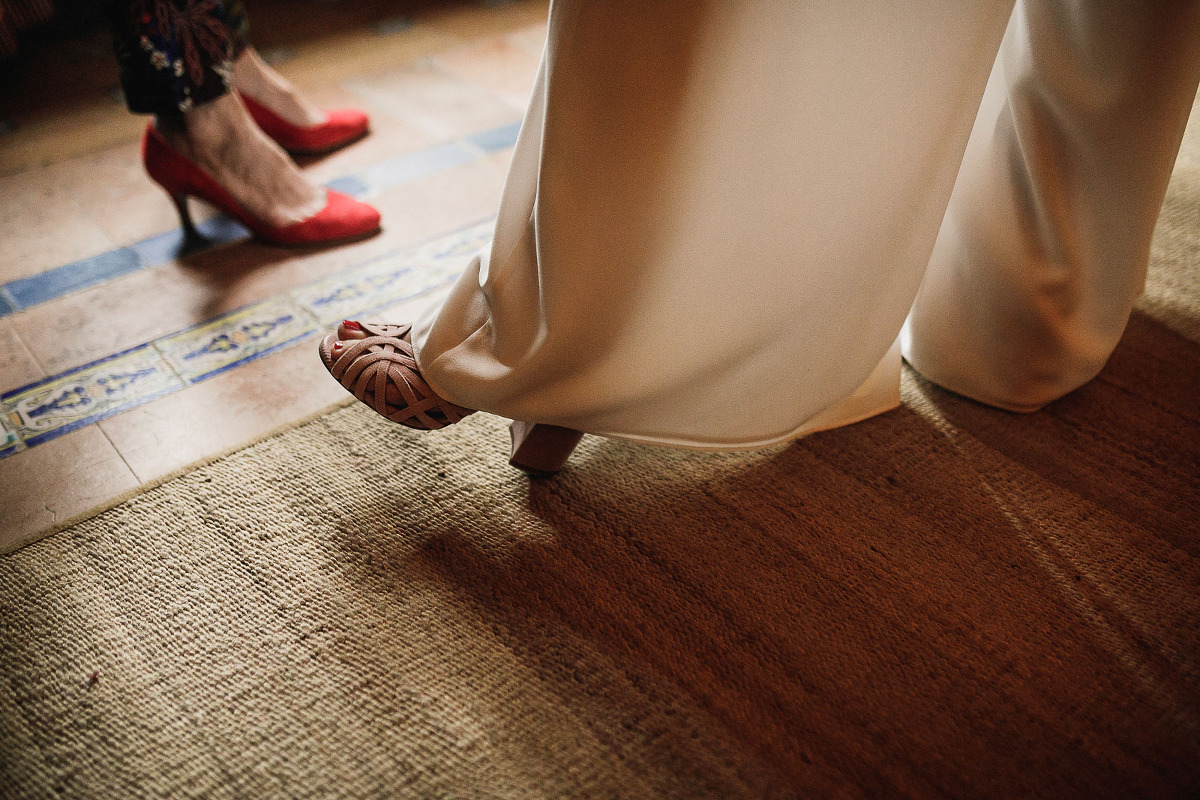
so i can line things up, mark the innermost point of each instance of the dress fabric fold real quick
(717, 217)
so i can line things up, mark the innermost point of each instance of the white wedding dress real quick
(718, 215)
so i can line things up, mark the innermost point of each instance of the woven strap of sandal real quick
(367, 367)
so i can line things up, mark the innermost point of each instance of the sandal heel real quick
(541, 450)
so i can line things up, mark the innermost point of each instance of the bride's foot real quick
(376, 363)
(287, 116)
(222, 139)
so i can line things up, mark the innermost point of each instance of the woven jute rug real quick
(945, 601)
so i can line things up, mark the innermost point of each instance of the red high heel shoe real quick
(343, 219)
(341, 127)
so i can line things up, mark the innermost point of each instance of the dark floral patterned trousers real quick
(175, 54)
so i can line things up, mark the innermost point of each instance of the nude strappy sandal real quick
(367, 367)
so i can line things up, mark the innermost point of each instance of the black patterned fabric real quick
(175, 54)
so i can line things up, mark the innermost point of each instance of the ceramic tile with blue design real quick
(461, 245)
(394, 277)
(385, 281)
(347, 293)
(9, 440)
(234, 338)
(66, 402)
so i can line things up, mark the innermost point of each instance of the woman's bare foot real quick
(221, 138)
(254, 77)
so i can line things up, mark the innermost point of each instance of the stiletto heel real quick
(343, 219)
(539, 449)
(185, 216)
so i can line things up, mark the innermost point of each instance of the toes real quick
(349, 329)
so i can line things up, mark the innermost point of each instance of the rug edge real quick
(178, 472)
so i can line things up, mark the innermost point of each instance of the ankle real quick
(203, 134)
(221, 139)
(173, 130)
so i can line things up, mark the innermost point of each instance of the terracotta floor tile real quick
(223, 412)
(465, 20)
(389, 138)
(60, 133)
(494, 63)
(111, 189)
(333, 60)
(17, 365)
(434, 102)
(57, 480)
(43, 225)
(111, 318)
(115, 191)
(531, 38)
(442, 202)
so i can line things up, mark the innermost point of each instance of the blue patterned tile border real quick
(216, 231)
(235, 338)
(159, 249)
(52, 407)
(387, 280)
(455, 249)
(82, 396)
(9, 439)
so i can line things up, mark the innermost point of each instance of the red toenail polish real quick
(337, 346)
(350, 324)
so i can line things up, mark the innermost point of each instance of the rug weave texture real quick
(944, 601)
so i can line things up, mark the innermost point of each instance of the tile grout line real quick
(153, 344)
(116, 450)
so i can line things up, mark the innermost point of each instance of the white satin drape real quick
(718, 215)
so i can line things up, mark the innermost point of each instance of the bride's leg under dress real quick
(716, 217)
(1047, 236)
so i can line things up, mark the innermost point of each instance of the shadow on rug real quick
(944, 601)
